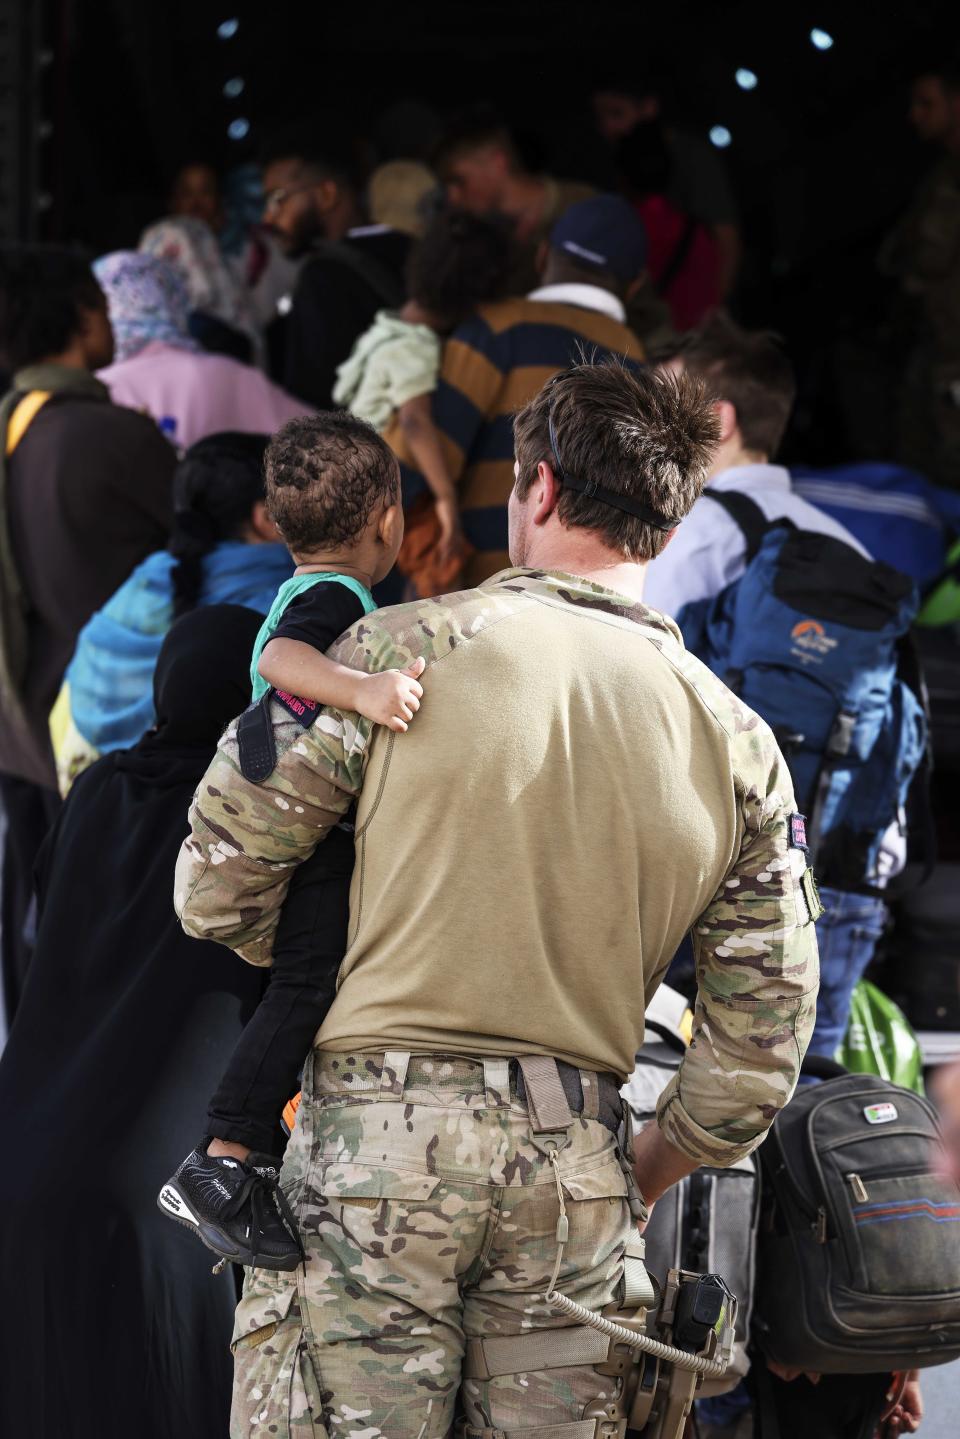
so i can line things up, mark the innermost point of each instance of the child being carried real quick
(333, 489)
(393, 372)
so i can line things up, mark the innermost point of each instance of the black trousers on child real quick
(310, 942)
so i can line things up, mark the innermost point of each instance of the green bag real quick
(879, 1040)
(942, 605)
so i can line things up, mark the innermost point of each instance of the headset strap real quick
(613, 498)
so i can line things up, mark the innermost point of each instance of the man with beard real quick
(350, 270)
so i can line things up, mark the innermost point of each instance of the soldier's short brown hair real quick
(326, 475)
(751, 371)
(638, 433)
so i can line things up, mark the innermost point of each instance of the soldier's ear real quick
(546, 492)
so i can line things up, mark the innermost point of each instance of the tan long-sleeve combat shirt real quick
(576, 794)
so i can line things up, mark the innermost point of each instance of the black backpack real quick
(859, 1246)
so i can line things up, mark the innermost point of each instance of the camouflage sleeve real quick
(246, 839)
(757, 972)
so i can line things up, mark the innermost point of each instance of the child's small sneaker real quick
(237, 1208)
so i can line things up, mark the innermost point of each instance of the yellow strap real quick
(60, 719)
(23, 417)
(72, 753)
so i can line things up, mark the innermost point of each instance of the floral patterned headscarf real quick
(148, 302)
(191, 247)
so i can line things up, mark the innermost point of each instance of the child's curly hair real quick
(326, 474)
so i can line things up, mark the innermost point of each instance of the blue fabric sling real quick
(111, 673)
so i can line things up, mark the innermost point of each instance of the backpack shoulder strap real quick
(746, 515)
(22, 416)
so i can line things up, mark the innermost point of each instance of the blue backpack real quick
(814, 637)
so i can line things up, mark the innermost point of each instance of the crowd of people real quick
(449, 377)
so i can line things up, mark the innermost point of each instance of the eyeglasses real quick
(275, 199)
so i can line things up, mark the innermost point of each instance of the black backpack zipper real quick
(855, 1179)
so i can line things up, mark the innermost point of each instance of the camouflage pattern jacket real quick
(576, 794)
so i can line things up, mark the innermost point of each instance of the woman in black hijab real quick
(110, 1322)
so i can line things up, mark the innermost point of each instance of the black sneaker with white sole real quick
(237, 1208)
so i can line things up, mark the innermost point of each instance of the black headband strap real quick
(593, 491)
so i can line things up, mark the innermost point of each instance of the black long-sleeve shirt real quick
(339, 291)
(90, 495)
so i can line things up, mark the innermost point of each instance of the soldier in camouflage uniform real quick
(575, 795)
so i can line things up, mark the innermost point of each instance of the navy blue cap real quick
(603, 233)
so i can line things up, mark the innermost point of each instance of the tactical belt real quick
(551, 1090)
(595, 1096)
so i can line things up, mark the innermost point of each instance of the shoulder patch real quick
(302, 710)
(798, 831)
(256, 738)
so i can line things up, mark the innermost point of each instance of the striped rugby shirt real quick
(493, 364)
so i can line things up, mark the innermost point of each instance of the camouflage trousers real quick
(429, 1217)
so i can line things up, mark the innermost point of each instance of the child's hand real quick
(392, 697)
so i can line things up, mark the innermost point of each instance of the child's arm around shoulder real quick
(390, 697)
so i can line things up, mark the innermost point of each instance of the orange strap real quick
(23, 417)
